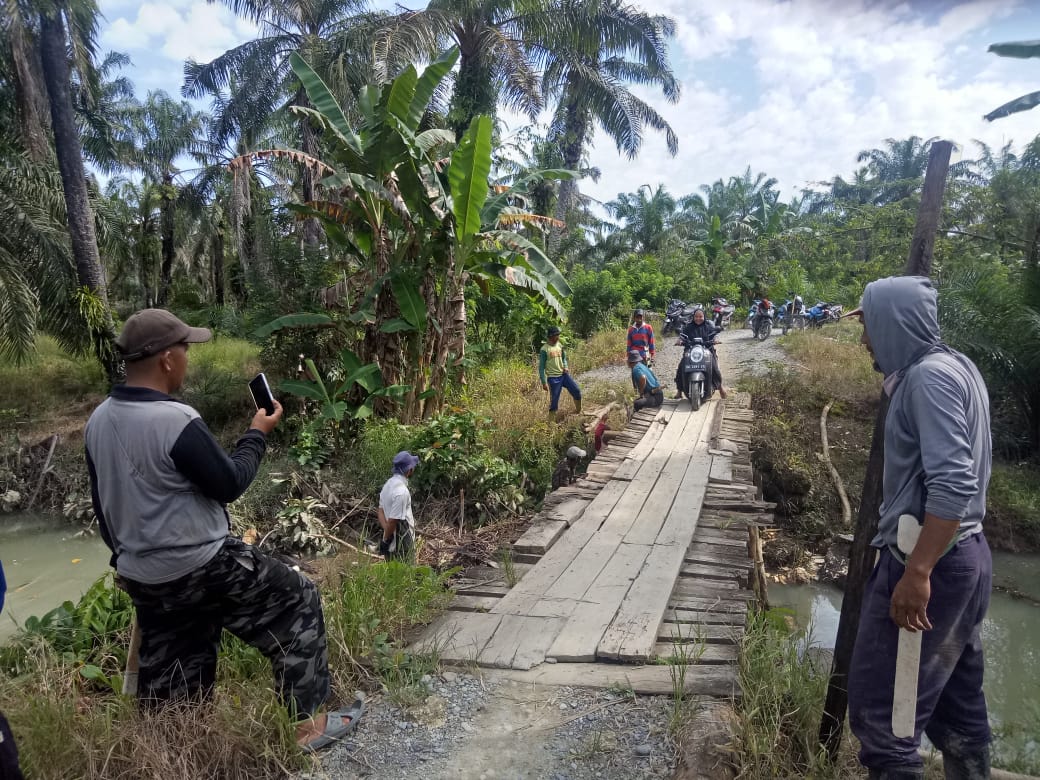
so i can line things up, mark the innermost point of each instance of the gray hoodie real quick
(937, 435)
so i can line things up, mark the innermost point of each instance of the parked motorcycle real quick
(722, 312)
(672, 316)
(822, 313)
(696, 371)
(762, 324)
(791, 315)
(750, 321)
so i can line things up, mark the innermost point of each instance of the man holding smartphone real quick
(160, 483)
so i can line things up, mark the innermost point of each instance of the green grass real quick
(244, 732)
(1013, 513)
(50, 383)
(779, 714)
(216, 383)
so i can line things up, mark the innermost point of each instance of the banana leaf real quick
(1023, 103)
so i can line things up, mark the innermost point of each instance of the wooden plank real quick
(473, 603)
(519, 640)
(681, 523)
(483, 589)
(632, 632)
(712, 572)
(735, 563)
(581, 636)
(536, 606)
(458, 637)
(540, 537)
(704, 654)
(731, 619)
(529, 558)
(711, 633)
(650, 680)
(721, 469)
(666, 492)
(710, 605)
(561, 554)
(730, 538)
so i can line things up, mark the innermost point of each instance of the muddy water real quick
(1011, 632)
(45, 564)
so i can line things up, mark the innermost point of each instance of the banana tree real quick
(1021, 50)
(413, 219)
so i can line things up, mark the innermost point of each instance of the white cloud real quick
(833, 79)
(176, 30)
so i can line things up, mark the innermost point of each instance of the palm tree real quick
(898, 169)
(502, 45)
(648, 217)
(623, 46)
(334, 36)
(55, 46)
(165, 130)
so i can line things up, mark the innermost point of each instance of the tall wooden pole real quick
(861, 554)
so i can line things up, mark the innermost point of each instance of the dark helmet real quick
(553, 331)
(639, 313)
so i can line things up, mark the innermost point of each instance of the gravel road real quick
(738, 354)
(483, 727)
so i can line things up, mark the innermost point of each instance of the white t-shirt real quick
(396, 501)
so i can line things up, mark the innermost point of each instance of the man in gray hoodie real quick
(937, 468)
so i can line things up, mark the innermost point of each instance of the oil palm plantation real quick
(166, 129)
(648, 216)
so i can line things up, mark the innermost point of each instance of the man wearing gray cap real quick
(159, 484)
(395, 510)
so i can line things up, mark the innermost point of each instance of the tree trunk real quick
(30, 93)
(89, 271)
(218, 264)
(166, 211)
(572, 146)
(475, 92)
(308, 145)
(144, 269)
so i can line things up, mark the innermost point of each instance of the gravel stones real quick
(474, 728)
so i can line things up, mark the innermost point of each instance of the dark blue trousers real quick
(556, 386)
(951, 708)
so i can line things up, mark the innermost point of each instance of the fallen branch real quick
(846, 509)
(350, 546)
(43, 474)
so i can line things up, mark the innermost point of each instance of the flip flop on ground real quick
(338, 724)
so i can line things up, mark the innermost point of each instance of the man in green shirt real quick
(554, 374)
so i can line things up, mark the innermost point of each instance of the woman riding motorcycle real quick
(701, 328)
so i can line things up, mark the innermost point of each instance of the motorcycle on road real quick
(696, 371)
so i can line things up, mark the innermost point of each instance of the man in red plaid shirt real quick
(641, 336)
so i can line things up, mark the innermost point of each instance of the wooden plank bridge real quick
(645, 561)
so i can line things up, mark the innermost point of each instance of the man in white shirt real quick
(395, 510)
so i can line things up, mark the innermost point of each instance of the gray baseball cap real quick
(150, 331)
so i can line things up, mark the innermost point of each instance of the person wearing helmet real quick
(554, 373)
(644, 381)
(641, 336)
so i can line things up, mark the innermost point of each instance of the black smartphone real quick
(261, 392)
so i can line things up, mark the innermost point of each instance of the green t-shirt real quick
(552, 360)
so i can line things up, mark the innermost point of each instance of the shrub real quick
(216, 384)
(598, 299)
(455, 458)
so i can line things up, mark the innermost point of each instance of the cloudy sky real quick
(794, 88)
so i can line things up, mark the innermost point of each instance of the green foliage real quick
(51, 379)
(779, 714)
(598, 299)
(368, 465)
(216, 383)
(87, 635)
(454, 457)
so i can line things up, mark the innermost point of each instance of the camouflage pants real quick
(258, 599)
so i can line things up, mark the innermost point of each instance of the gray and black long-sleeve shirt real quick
(160, 482)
